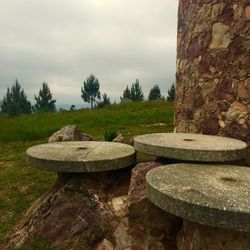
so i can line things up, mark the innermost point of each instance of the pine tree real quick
(154, 93)
(90, 90)
(105, 101)
(44, 101)
(15, 101)
(171, 93)
(126, 94)
(136, 91)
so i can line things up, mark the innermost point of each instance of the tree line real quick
(15, 101)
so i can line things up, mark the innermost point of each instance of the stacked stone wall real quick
(213, 68)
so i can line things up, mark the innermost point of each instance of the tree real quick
(126, 94)
(104, 102)
(171, 93)
(15, 101)
(154, 93)
(44, 101)
(72, 107)
(90, 90)
(136, 91)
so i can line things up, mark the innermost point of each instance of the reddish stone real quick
(196, 236)
(206, 62)
(224, 91)
(75, 208)
(221, 57)
(247, 64)
(218, 74)
(144, 216)
(136, 247)
(244, 90)
(210, 126)
(137, 186)
(239, 106)
(194, 49)
(236, 131)
(227, 15)
(247, 12)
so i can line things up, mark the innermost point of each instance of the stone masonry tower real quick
(213, 68)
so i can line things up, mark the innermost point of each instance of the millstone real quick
(191, 147)
(85, 156)
(213, 195)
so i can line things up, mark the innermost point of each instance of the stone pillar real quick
(213, 68)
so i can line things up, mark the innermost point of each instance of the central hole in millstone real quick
(228, 179)
(188, 140)
(82, 148)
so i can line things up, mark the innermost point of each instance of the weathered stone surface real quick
(81, 156)
(220, 36)
(121, 237)
(105, 245)
(69, 133)
(196, 236)
(85, 137)
(76, 213)
(215, 195)
(213, 67)
(191, 147)
(149, 226)
(247, 12)
(120, 138)
(119, 205)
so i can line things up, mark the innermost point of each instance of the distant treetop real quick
(171, 93)
(44, 101)
(15, 101)
(90, 90)
(154, 93)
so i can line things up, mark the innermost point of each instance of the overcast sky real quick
(62, 42)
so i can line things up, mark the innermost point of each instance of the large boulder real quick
(149, 226)
(75, 214)
(69, 133)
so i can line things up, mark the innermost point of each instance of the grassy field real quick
(20, 184)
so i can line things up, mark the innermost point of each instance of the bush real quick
(109, 134)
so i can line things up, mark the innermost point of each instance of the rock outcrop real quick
(149, 226)
(76, 213)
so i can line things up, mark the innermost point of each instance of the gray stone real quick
(213, 195)
(191, 147)
(120, 138)
(88, 156)
(69, 133)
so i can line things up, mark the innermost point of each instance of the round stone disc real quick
(191, 147)
(214, 195)
(77, 156)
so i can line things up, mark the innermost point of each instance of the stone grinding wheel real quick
(213, 195)
(84, 156)
(191, 147)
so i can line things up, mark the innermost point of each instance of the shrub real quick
(109, 134)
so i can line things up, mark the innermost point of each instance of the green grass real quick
(20, 184)
(120, 117)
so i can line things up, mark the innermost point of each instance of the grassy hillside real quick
(129, 119)
(20, 184)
